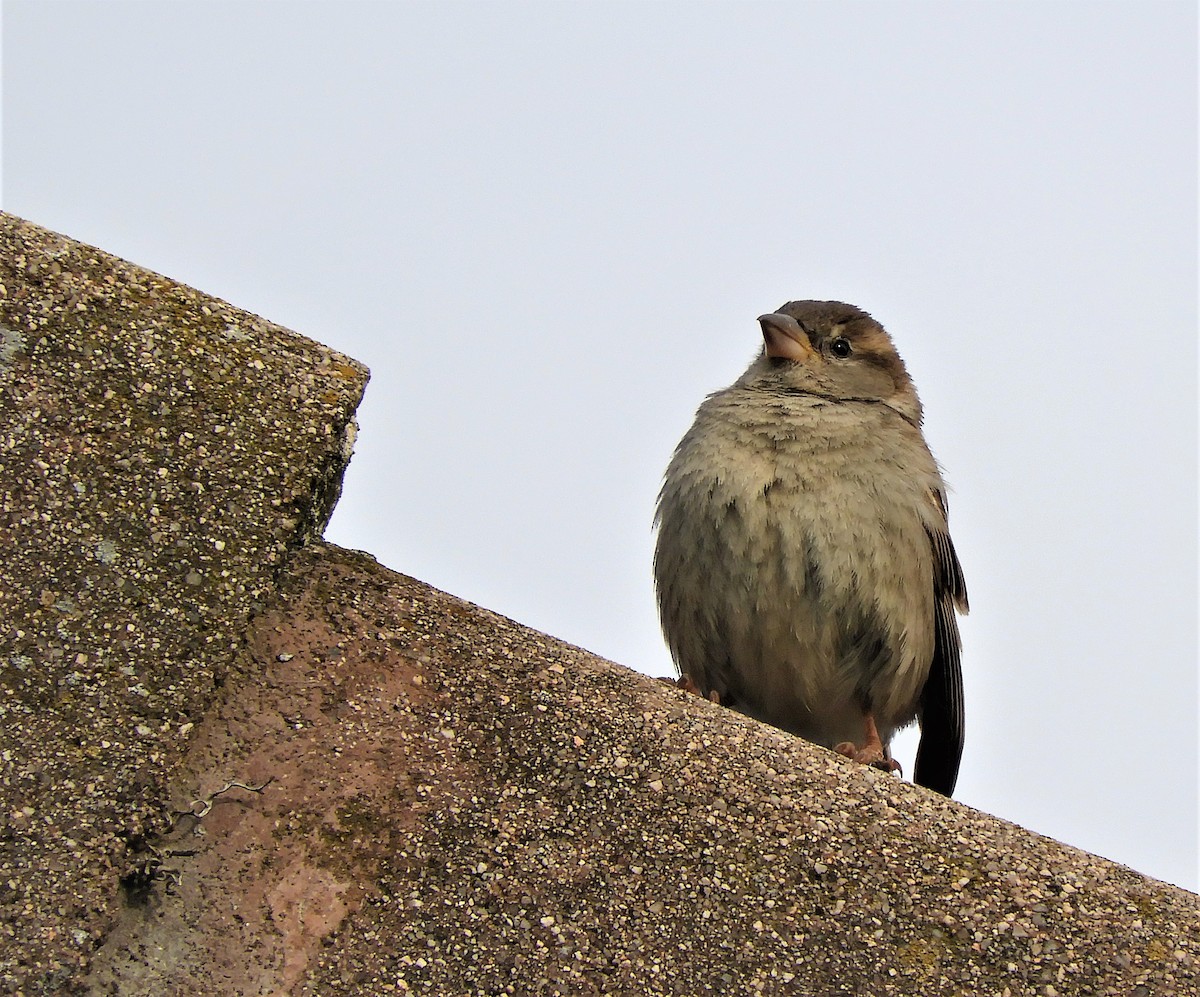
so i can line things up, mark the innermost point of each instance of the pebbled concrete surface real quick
(236, 760)
(161, 452)
(461, 805)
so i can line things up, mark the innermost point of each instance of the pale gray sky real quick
(548, 229)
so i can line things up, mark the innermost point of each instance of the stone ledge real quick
(458, 804)
(442, 801)
(161, 454)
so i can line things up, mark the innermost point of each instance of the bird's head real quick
(832, 350)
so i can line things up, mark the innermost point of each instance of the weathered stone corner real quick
(162, 454)
(237, 760)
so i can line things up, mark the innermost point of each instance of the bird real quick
(803, 565)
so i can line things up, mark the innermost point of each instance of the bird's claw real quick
(871, 754)
(686, 683)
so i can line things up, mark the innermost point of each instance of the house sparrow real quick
(804, 570)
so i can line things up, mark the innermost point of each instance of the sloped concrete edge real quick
(454, 803)
(162, 455)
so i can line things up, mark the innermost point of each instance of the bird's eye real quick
(841, 347)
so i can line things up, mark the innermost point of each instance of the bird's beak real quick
(784, 338)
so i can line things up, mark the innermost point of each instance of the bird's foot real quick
(873, 752)
(685, 683)
(869, 754)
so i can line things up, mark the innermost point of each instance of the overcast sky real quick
(548, 229)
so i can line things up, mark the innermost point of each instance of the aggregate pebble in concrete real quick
(460, 805)
(161, 452)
